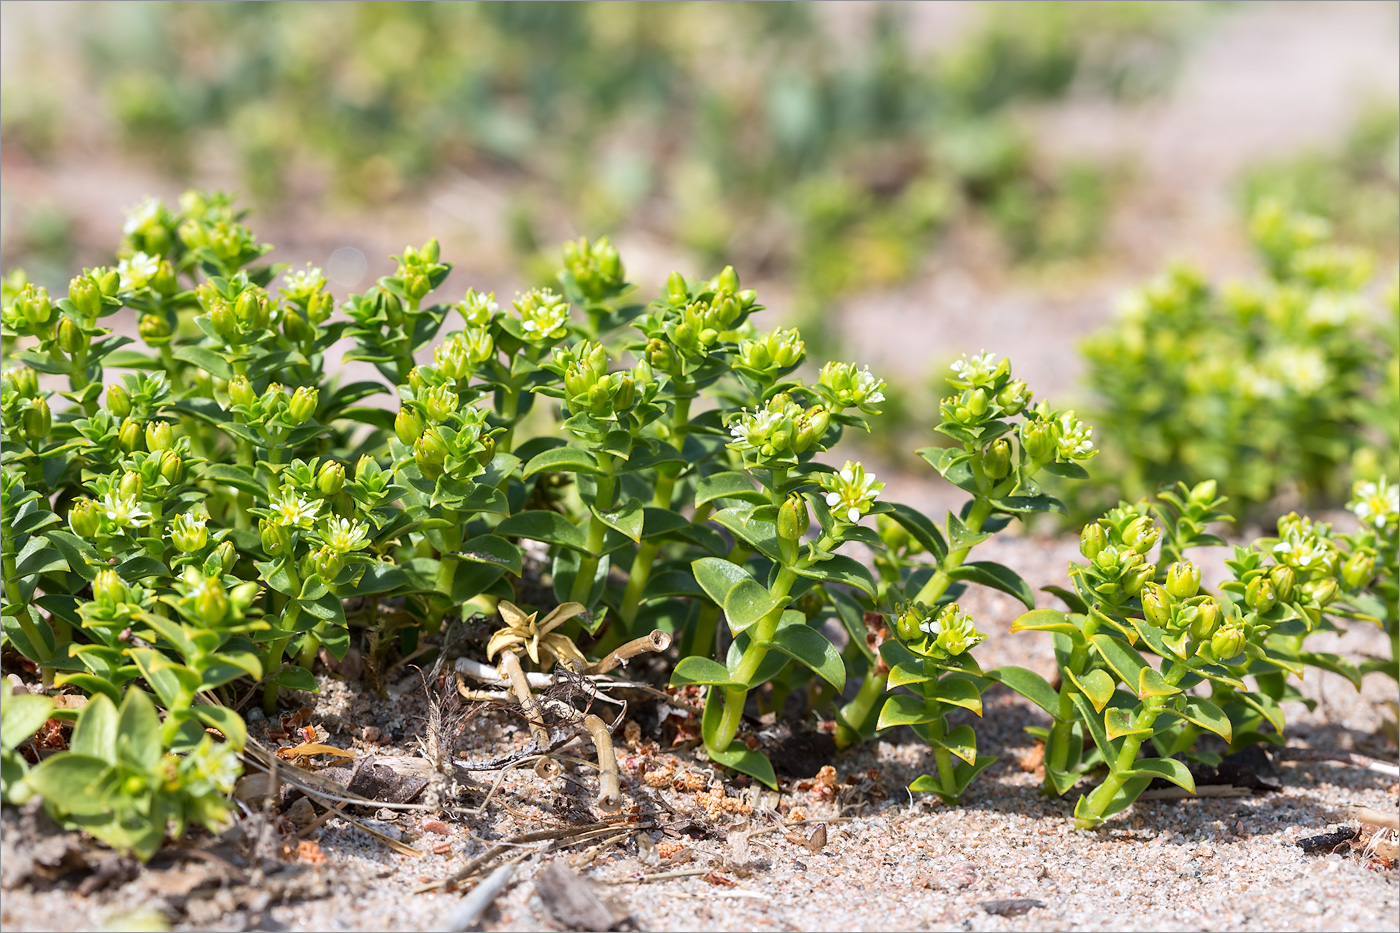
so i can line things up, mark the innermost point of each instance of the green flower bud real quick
(251, 310)
(295, 328)
(85, 518)
(221, 317)
(319, 307)
(164, 280)
(159, 436)
(154, 329)
(171, 466)
(1141, 534)
(326, 562)
(793, 518)
(188, 533)
(430, 454)
(1183, 579)
(303, 404)
(331, 479)
(275, 538)
(1156, 605)
(131, 486)
(240, 392)
(660, 355)
(118, 401)
(108, 590)
(1283, 578)
(408, 427)
(1134, 582)
(1260, 595)
(86, 296)
(221, 560)
(129, 436)
(1038, 440)
(811, 428)
(23, 380)
(1207, 620)
(1092, 540)
(908, 623)
(625, 392)
(956, 631)
(71, 338)
(367, 468)
(977, 402)
(997, 460)
(676, 290)
(488, 450)
(1014, 397)
(1321, 592)
(211, 601)
(1358, 569)
(37, 420)
(35, 305)
(1228, 641)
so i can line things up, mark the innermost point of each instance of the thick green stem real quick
(751, 659)
(646, 556)
(597, 531)
(856, 713)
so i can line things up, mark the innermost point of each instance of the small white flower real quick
(852, 490)
(124, 511)
(1073, 438)
(304, 281)
(293, 511)
(1377, 503)
(343, 535)
(137, 271)
(141, 214)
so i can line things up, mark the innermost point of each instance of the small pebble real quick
(435, 826)
(1312, 908)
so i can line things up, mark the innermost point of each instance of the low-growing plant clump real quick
(1282, 391)
(213, 508)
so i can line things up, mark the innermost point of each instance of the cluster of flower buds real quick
(461, 452)
(419, 270)
(458, 357)
(588, 386)
(274, 408)
(203, 599)
(231, 243)
(767, 357)
(1049, 436)
(31, 314)
(115, 604)
(596, 268)
(850, 492)
(1116, 547)
(235, 307)
(92, 295)
(844, 386)
(24, 412)
(778, 433)
(941, 635)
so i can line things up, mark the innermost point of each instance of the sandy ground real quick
(891, 861)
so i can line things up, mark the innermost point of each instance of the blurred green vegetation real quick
(741, 130)
(1355, 184)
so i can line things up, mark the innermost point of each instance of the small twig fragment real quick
(657, 640)
(609, 788)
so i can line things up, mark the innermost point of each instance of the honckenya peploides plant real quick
(195, 516)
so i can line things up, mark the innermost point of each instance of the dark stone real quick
(1011, 907)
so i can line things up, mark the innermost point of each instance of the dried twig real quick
(1376, 818)
(657, 640)
(609, 790)
(466, 914)
(1335, 754)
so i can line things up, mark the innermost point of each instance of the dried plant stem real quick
(609, 790)
(520, 686)
(657, 640)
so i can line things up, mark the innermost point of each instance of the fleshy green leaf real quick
(1119, 722)
(544, 525)
(1030, 685)
(563, 460)
(1097, 685)
(626, 518)
(1168, 768)
(747, 602)
(997, 577)
(1045, 620)
(810, 648)
(1152, 684)
(718, 576)
(1207, 715)
(21, 715)
(701, 670)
